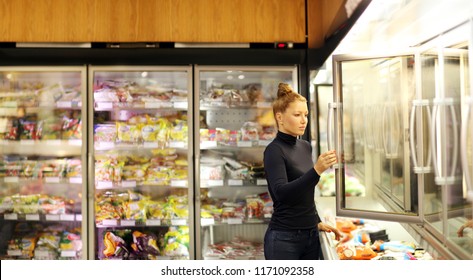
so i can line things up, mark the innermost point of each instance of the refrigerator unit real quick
(410, 116)
(42, 166)
(233, 125)
(141, 163)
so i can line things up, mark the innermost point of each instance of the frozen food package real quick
(249, 131)
(254, 208)
(105, 133)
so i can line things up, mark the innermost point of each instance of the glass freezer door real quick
(234, 125)
(42, 163)
(139, 138)
(374, 93)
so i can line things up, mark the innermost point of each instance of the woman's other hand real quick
(324, 161)
(328, 228)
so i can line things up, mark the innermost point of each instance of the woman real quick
(292, 233)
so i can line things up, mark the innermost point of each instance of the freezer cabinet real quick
(409, 115)
(42, 164)
(141, 182)
(234, 123)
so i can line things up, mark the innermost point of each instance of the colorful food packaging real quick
(145, 244)
(254, 208)
(105, 133)
(115, 246)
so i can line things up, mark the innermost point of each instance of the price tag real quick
(109, 222)
(264, 142)
(104, 105)
(64, 104)
(178, 222)
(150, 144)
(128, 184)
(233, 182)
(261, 182)
(179, 183)
(51, 179)
(41, 253)
(11, 179)
(67, 217)
(153, 222)
(213, 183)
(180, 105)
(79, 217)
(11, 216)
(53, 142)
(75, 180)
(27, 142)
(75, 142)
(263, 104)
(208, 144)
(32, 217)
(104, 185)
(68, 254)
(51, 217)
(244, 143)
(152, 105)
(15, 253)
(234, 221)
(177, 144)
(9, 103)
(127, 223)
(207, 221)
(106, 145)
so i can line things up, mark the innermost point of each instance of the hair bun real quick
(284, 89)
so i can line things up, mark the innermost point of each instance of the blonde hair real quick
(286, 96)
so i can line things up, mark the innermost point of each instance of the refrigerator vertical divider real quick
(90, 165)
(84, 163)
(196, 147)
(190, 154)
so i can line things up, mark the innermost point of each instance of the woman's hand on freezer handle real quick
(328, 228)
(325, 161)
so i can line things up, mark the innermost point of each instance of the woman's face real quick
(294, 120)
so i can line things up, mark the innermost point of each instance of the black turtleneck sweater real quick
(291, 182)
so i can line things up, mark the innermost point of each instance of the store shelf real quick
(109, 146)
(141, 106)
(112, 223)
(108, 185)
(51, 148)
(41, 217)
(45, 180)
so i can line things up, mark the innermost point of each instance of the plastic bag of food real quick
(145, 244)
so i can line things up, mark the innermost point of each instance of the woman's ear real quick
(279, 117)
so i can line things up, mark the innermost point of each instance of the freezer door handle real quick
(464, 155)
(330, 128)
(368, 126)
(331, 109)
(419, 104)
(442, 178)
(390, 130)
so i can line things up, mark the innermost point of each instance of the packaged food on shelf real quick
(363, 240)
(148, 244)
(236, 249)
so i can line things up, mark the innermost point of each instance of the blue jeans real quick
(292, 244)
